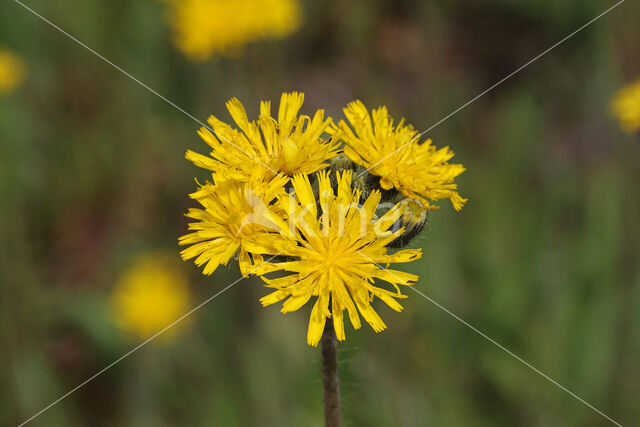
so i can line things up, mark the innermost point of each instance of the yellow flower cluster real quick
(626, 107)
(12, 71)
(279, 201)
(150, 295)
(203, 28)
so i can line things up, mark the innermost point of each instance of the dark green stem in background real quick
(330, 388)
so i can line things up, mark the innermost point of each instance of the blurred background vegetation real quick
(543, 258)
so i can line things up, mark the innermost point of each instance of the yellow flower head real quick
(261, 149)
(150, 295)
(335, 254)
(231, 218)
(203, 28)
(417, 169)
(626, 107)
(11, 71)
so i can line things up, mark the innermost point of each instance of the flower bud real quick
(413, 219)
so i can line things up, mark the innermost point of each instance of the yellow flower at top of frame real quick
(151, 294)
(12, 71)
(395, 154)
(289, 144)
(334, 253)
(203, 28)
(625, 107)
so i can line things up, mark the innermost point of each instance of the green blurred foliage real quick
(543, 258)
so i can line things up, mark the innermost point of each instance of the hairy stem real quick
(330, 387)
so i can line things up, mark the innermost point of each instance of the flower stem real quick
(330, 387)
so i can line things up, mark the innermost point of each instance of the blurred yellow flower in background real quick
(625, 106)
(203, 28)
(12, 71)
(394, 153)
(150, 295)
